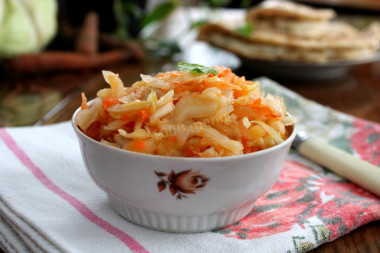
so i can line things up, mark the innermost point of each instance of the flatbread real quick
(291, 18)
(289, 10)
(373, 30)
(285, 30)
(266, 44)
(307, 29)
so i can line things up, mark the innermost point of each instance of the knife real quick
(342, 163)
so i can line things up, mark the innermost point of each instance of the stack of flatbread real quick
(284, 30)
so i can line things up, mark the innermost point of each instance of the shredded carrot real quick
(215, 110)
(124, 117)
(264, 110)
(256, 103)
(172, 139)
(189, 152)
(93, 130)
(246, 149)
(233, 79)
(180, 89)
(240, 93)
(138, 145)
(144, 116)
(108, 102)
(220, 83)
(84, 102)
(225, 73)
(171, 74)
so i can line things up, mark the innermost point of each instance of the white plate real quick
(305, 70)
(202, 53)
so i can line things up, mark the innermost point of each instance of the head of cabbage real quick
(26, 26)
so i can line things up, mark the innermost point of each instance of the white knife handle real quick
(354, 169)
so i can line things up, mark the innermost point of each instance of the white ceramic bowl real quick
(181, 194)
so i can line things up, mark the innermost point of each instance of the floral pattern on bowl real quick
(182, 183)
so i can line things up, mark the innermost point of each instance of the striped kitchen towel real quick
(48, 203)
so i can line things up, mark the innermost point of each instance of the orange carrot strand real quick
(84, 101)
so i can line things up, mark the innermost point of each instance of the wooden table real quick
(23, 101)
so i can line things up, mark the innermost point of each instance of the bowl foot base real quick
(176, 223)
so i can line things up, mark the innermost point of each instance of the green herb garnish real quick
(159, 13)
(195, 68)
(219, 3)
(197, 24)
(245, 30)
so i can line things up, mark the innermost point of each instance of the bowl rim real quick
(288, 141)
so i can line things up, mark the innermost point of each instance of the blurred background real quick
(51, 50)
(145, 20)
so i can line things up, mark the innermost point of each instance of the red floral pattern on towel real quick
(303, 195)
(366, 140)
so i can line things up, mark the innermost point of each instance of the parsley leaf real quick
(160, 12)
(195, 68)
(197, 24)
(245, 30)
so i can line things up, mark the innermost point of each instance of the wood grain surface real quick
(357, 93)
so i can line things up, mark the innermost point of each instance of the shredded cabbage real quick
(155, 82)
(165, 98)
(88, 116)
(276, 136)
(162, 112)
(131, 106)
(117, 86)
(138, 134)
(185, 114)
